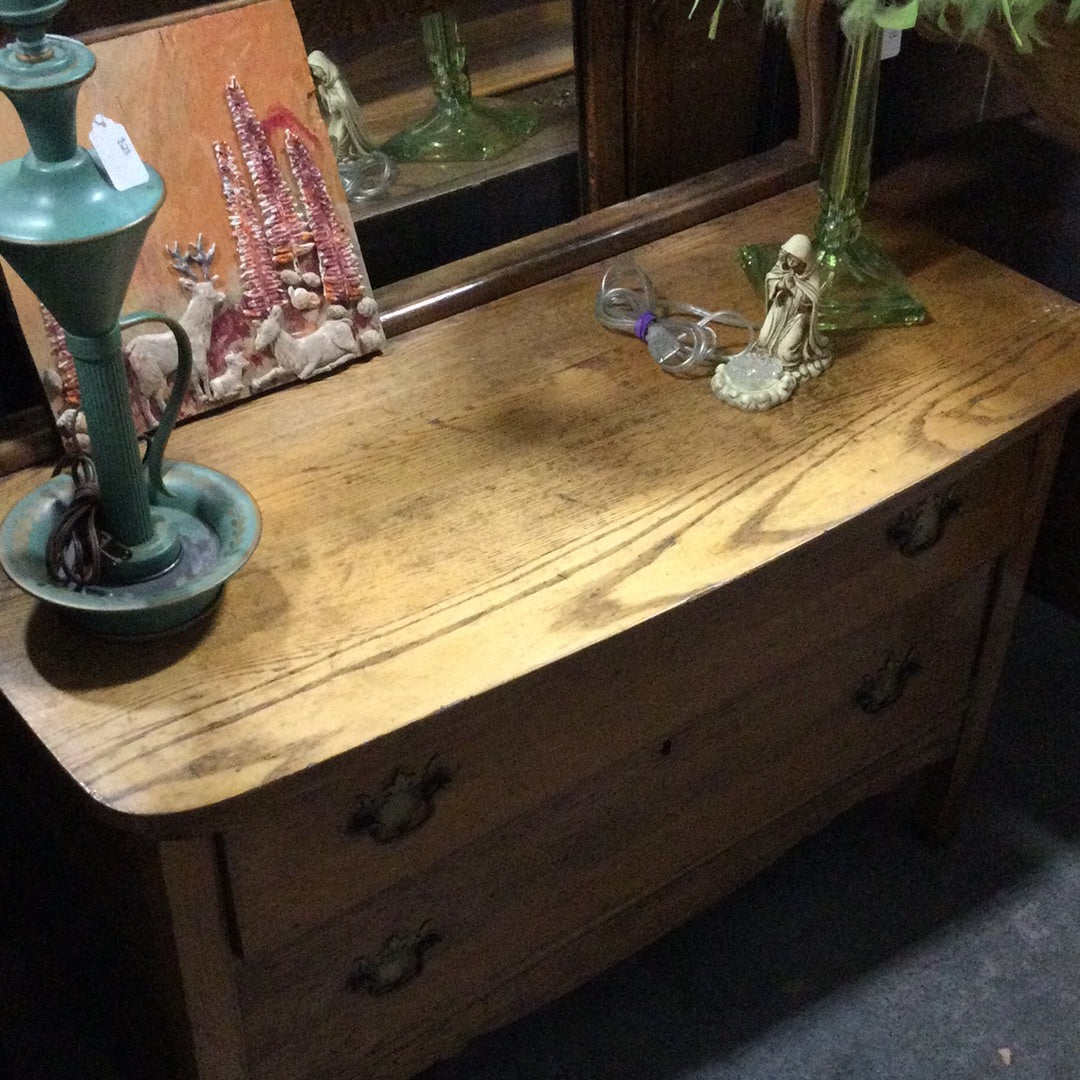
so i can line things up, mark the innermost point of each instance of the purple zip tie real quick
(644, 321)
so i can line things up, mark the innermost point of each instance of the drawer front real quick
(401, 803)
(365, 988)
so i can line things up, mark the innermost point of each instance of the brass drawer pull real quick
(921, 526)
(885, 686)
(402, 806)
(398, 961)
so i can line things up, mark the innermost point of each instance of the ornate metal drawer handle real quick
(921, 526)
(402, 806)
(885, 686)
(398, 961)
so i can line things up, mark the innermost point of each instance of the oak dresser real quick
(543, 650)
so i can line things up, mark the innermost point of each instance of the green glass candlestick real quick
(460, 127)
(861, 286)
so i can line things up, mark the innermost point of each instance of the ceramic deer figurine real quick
(328, 345)
(152, 357)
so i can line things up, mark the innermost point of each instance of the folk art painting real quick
(253, 250)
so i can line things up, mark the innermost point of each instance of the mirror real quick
(458, 199)
(629, 99)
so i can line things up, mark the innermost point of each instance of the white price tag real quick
(117, 155)
(890, 43)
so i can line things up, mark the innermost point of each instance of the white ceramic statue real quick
(789, 347)
(792, 291)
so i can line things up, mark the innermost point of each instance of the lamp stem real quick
(49, 122)
(125, 500)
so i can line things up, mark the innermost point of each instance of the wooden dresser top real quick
(504, 488)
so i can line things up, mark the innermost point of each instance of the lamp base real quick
(470, 130)
(861, 287)
(216, 520)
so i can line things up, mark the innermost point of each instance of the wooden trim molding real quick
(591, 238)
(814, 38)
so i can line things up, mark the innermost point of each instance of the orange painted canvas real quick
(253, 249)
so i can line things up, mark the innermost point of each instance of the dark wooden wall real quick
(661, 102)
(998, 181)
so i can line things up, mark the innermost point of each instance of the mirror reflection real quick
(577, 105)
(472, 111)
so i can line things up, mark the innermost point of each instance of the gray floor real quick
(863, 954)
(866, 954)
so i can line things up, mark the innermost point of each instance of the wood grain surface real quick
(547, 889)
(561, 729)
(507, 487)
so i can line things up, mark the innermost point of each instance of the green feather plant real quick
(960, 18)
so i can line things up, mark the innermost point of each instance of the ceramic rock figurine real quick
(792, 291)
(790, 347)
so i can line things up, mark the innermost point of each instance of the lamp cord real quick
(78, 548)
(678, 336)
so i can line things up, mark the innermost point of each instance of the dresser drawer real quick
(428, 946)
(438, 785)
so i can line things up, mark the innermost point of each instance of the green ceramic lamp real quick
(74, 239)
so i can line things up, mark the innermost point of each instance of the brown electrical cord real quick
(78, 548)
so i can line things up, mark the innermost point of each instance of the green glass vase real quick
(460, 127)
(861, 287)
